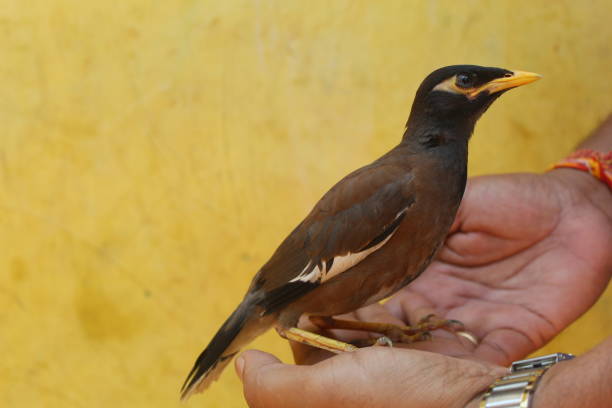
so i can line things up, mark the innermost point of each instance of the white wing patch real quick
(339, 263)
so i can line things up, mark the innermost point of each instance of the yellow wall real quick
(153, 154)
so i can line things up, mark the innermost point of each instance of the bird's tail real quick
(237, 331)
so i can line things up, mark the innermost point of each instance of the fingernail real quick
(240, 366)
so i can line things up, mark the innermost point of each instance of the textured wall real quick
(153, 154)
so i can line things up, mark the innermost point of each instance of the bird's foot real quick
(395, 333)
(382, 341)
(432, 322)
(391, 338)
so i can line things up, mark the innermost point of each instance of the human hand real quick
(372, 377)
(527, 255)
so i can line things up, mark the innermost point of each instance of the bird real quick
(373, 232)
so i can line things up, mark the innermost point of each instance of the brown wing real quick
(356, 215)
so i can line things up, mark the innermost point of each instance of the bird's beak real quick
(517, 78)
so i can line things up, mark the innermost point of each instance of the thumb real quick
(255, 360)
(267, 382)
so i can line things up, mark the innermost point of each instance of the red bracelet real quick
(599, 164)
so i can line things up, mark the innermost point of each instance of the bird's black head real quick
(454, 97)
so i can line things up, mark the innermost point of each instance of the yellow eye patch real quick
(517, 78)
(450, 85)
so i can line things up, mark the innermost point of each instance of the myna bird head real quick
(454, 97)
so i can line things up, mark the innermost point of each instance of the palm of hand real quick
(526, 257)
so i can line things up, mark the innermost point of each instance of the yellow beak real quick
(517, 78)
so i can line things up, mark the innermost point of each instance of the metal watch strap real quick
(516, 389)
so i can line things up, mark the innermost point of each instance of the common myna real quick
(374, 232)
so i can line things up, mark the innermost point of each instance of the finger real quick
(256, 361)
(415, 307)
(409, 306)
(473, 248)
(268, 383)
(394, 305)
(503, 346)
(449, 346)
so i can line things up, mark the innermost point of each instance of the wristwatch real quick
(516, 389)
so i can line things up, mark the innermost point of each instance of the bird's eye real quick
(465, 80)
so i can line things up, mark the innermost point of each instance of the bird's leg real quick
(315, 340)
(391, 332)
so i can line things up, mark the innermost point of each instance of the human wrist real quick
(475, 387)
(552, 386)
(517, 388)
(579, 382)
(542, 394)
(580, 184)
(582, 382)
(597, 163)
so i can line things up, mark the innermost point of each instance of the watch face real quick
(540, 362)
